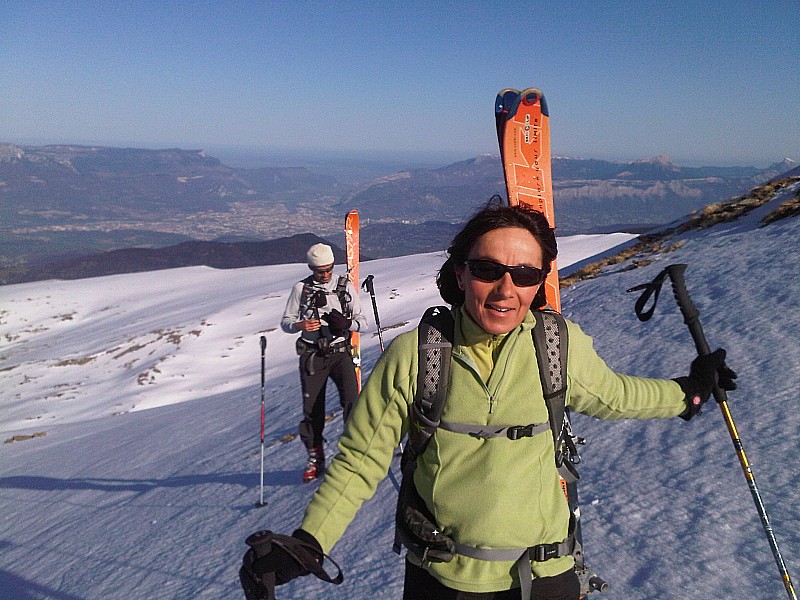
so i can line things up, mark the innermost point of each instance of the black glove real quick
(338, 323)
(704, 373)
(268, 563)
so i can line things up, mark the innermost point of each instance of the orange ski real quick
(523, 131)
(351, 234)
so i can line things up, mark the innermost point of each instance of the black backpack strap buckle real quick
(519, 431)
(543, 552)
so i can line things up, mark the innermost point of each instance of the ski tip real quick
(507, 92)
(529, 97)
(506, 101)
(531, 91)
(351, 221)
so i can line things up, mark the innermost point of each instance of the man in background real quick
(324, 310)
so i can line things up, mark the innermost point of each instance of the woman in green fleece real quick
(493, 493)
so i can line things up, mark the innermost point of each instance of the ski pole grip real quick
(263, 344)
(688, 309)
(368, 286)
(691, 316)
(260, 542)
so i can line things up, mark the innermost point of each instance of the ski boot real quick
(315, 466)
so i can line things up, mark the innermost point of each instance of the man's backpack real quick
(415, 526)
(309, 301)
(313, 298)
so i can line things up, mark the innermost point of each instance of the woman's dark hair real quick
(495, 215)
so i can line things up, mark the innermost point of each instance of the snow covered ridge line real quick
(723, 212)
(785, 191)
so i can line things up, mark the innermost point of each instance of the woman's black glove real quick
(338, 323)
(275, 559)
(705, 372)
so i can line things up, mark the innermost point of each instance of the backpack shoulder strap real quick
(551, 341)
(435, 347)
(436, 334)
(343, 294)
(305, 295)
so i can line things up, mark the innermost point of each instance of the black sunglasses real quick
(488, 270)
(323, 270)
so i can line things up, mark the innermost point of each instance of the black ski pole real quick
(368, 286)
(263, 414)
(691, 316)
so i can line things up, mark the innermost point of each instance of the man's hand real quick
(308, 325)
(338, 321)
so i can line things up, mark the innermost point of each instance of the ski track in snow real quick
(147, 387)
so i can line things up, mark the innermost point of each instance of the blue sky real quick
(701, 81)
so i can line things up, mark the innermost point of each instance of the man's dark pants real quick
(315, 369)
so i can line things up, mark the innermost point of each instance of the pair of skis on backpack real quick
(522, 120)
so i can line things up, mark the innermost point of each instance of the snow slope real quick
(147, 390)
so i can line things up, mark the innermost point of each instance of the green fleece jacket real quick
(488, 493)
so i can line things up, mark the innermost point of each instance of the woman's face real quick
(499, 306)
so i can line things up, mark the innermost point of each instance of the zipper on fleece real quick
(467, 361)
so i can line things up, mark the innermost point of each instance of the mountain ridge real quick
(383, 240)
(65, 201)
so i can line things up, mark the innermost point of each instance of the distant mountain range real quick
(62, 203)
(385, 239)
(588, 194)
(125, 183)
